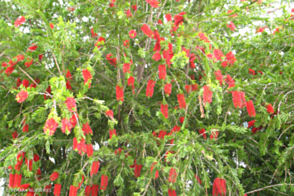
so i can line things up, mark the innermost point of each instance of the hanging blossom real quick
(132, 33)
(153, 3)
(126, 43)
(33, 47)
(50, 126)
(181, 100)
(219, 187)
(230, 81)
(168, 88)
(172, 175)
(131, 82)
(87, 77)
(100, 42)
(250, 108)
(156, 172)
(172, 192)
(104, 182)
(19, 21)
(270, 108)
(231, 57)
(150, 88)
(57, 189)
(207, 94)
(112, 132)
(87, 129)
(162, 71)
(81, 146)
(95, 168)
(219, 77)
(112, 61)
(202, 132)
(22, 96)
(66, 126)
(147, 31)
(164, 110)
(71, 104)
(231, 26)
(137, 170)
(119, 93)
(54, 176)
(218, 54)
(89, 150)
(214, 135)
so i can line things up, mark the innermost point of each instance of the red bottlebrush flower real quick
(179, 18)
(126, 43)
(19, 21)
(156, 56)
(109, 113)
(36, 157)
(4, 64)
(218, 54)
(172, 175)
(29, 63)
(17, 180)
(24, 187)
(207, 95)
(251, 123)
(202, 132)
(25, 83)
(153, 3)
(219, 187)
(54, 176)
(270, 109)
(22, 96)
(168, 17)
(168, 54)
(68, 75)
(94, 168)
(118, 151)
(260, 29)
(231, 57)
(137, 170)
(128, 13)
(29, 163)
(167, 88)
(112, 61)
(156, 172)
(87, 77)
(150, 88)
(50, 126)
(11, 180)
(33, 47)
(100, 42)
(198, 179)
(237, 99)
(75, 143)
(111, 133)
(87, 129)
(51, 26)
(25, 128)
(126, 67)
(48, 90)
(95, 189)
(18, 82)
(219, 76)
(164, 110)
(80, 146)
(172, 192)
(147, 31)
(161, 134)
(57, 189)
(214, 135)
(162, 71)
(182, 119)
(88, 191)
(70, 104)
(9, 70)
(230, 81)
(187, 88)
(277, 30)
(14, 134)
(93, 33)
(131, 81)
(181, 101)
(132, 33)
(250, 108)
(252, 72)
(111, 5)
(89, 150)
(225, 63)
(73, 190)
(159, 21)
(231, 26)
(68, 86)
(176, 129)
(194, 87)
(134, 7)
(119, 93)
(203, 37)
(104, 182)
(73, 120)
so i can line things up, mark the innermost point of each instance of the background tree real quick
(146, 97)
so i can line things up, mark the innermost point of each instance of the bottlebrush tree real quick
(150, 97)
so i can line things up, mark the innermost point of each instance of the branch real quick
(267, 188)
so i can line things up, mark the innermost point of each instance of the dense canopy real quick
(149, 97)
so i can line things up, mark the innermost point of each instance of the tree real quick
(146, 97)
